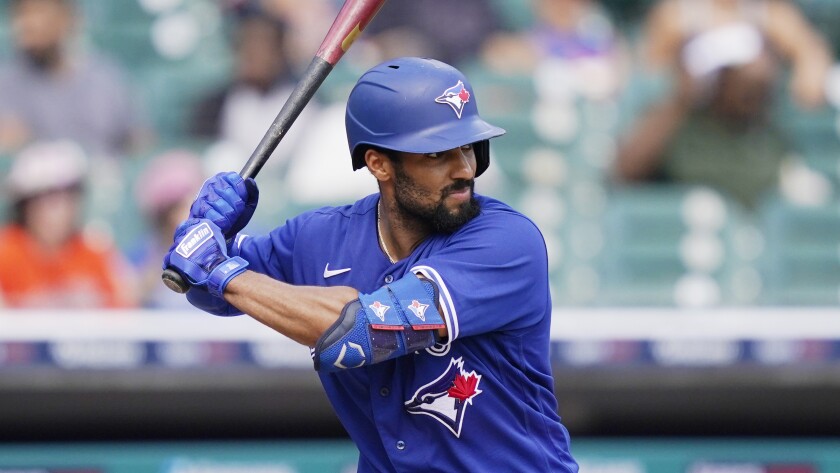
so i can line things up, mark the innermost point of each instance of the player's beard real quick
(410, 199)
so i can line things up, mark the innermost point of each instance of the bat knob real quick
(174, 281)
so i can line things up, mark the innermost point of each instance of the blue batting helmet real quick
(416, 105)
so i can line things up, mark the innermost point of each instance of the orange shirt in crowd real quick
(76, 276)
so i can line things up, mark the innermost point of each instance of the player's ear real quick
(378, 164)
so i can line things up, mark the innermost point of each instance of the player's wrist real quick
(223, 273)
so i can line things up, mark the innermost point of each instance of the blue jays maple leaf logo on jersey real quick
(456, 97)
(447, 397)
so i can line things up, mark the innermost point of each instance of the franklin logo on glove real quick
(193, 241)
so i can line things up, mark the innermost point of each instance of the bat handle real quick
(173, 280)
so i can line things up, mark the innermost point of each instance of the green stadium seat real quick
(801, 261)
(171, 91)
(129, 44)
(656, 236)
(509, 149)
(5, 167)
(825, 161)
(516, 14)
(114, 12)
(499, 93)
(825, 16)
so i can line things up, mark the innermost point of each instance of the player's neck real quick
(399, 234)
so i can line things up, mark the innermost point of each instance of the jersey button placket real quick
(384, 391)
(389, 279)
(400, 445)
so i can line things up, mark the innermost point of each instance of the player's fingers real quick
(253, 191)
(226, 199)
(209, 184)
(183, 227)
(199, 208)
(221, 220)
(237, 184)
(222, 208)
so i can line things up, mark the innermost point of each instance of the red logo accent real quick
(464, 95)
(463, 387)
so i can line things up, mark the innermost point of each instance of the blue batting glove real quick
(227, 200)
(199, 253)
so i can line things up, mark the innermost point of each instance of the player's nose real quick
(463, 162)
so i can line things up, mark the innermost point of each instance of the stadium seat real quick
(508, 150)
(661, 238)
(129, 44)
(5, 166)
(826, 162)
(825, 15)
(500, 94)
(516, 14)
(171, 91)
(801, 262)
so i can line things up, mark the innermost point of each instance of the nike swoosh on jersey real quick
(328, 273)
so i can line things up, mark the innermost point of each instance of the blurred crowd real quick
(94, 183)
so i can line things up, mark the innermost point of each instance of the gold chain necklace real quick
(379, 233)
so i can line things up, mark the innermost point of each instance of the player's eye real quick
(467, 147)
(432, 155)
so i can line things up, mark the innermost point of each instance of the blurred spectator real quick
(564, 29)
(45, 259)
(306, 27)
(716, 127)
(452, 32)
(238, 115)
(50, 90)
(163, 192)
(571, 50)
(783, 28)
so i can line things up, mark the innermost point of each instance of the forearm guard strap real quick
(395, 320)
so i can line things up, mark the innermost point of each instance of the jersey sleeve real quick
(492, 275)
(271, 254)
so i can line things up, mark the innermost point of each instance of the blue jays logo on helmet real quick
(456, 97)
(447, 397)
(403, 105)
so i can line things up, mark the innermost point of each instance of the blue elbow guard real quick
(395, 320)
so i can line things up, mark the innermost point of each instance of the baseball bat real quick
(351, 20)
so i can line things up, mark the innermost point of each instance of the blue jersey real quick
(484, 400)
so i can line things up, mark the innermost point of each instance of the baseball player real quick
(426, 306)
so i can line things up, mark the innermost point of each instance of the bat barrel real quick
(348, 25)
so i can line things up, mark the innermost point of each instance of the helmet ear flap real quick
(359, 157)
(482, 156)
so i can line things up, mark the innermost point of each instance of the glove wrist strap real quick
(222, 274)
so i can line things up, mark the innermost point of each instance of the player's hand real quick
(199, 253)
(228, 201)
